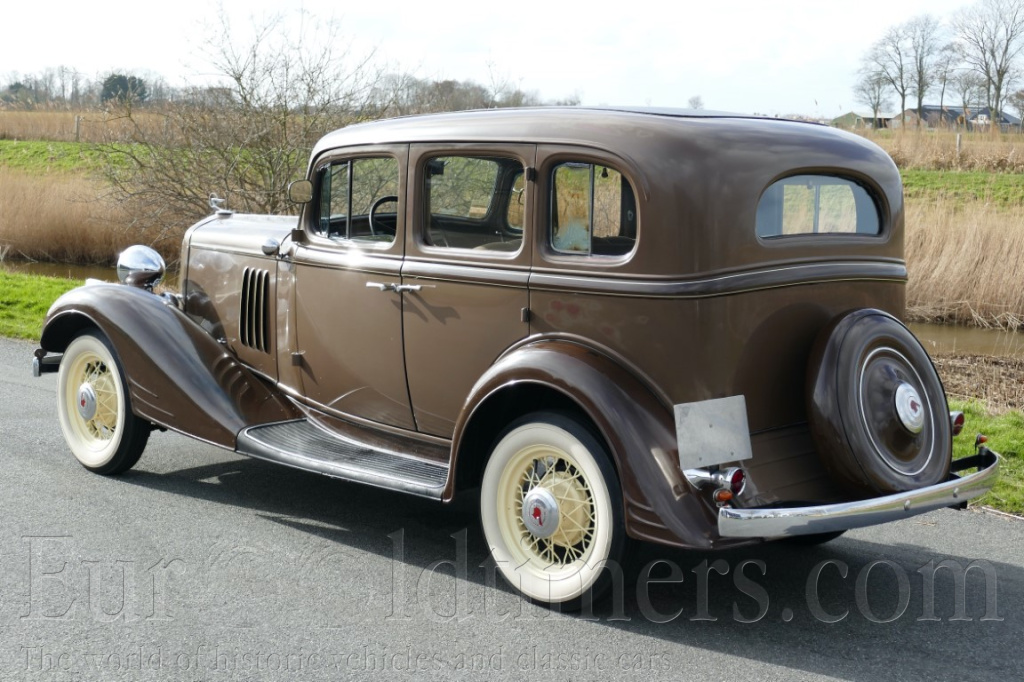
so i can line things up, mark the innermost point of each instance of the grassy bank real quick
(960, 189)
(46, 157)
(24, 300)
(1005, 434)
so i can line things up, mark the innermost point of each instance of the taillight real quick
(956, 421)
(737, 480)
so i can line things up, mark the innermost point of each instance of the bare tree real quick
(1016, 100)
(695, 102)
(970, 90)
(871, 90)
(946, 64)
(924, 35)
(991, 35)
(891, 57)
(249, 136)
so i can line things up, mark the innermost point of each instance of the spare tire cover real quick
(877, 409)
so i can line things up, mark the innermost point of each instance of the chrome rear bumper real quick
(781, 522)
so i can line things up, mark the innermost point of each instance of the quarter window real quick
(359, 199)
(593, 210)
(816, 204)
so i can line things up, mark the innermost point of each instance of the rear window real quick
(817, 204)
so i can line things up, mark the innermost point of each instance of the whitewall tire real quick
(551, 510)
(95, 409)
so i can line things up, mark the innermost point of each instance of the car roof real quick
(594, 126)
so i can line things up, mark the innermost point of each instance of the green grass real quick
(1005, 434)
(961, 187)
(24, 300)
(41, 157)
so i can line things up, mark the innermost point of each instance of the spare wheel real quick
(876, 406)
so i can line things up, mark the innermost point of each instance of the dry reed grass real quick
(963, 264)
(63, 219)
(94, 126)
(937, 149)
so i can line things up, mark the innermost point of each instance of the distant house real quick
(931, 116)
(982, 119)
(859, 120)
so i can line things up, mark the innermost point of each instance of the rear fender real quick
(637, 426)
(179, 376)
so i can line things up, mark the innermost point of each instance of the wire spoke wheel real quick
(550, 508)
(95, 409)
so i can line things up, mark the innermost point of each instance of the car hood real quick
(240, 232)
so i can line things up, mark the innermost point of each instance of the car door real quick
(468, 254)
(348, 318)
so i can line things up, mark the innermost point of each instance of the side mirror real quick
(300, 191)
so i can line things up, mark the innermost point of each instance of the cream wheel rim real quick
(542, 463)
(92, 405)
(541, 468)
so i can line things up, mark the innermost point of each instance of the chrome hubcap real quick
(540, 513)
(86, 401)
(909, 408)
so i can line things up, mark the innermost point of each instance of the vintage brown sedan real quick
(678, 327)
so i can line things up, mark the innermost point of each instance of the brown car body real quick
(426, 352)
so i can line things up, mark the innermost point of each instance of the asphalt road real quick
(203, 565)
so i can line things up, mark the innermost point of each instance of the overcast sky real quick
(783, 57)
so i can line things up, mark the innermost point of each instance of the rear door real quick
(464, 281)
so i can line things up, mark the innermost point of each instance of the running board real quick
(302, 445)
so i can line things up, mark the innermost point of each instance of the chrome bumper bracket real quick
(45, 364)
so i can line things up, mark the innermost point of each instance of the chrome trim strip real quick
(781, 522)
(733, 283)
(477, 273)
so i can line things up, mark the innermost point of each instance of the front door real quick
(348, 316)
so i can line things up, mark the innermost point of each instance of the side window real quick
(359, 199)
(474, 202)
(816, 204)
(593, 210)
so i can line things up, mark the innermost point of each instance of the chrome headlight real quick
(140, 266)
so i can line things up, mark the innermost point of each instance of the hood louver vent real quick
(254, 317)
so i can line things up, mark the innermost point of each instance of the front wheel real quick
(551, 510)
(95, 409)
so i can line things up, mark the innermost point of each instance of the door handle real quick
(380, 286)
(408, 287)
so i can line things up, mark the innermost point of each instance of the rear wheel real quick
(551, 510)
(95, 409)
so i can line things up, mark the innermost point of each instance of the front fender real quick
(638, 428)
(179, 377)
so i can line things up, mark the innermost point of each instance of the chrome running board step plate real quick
(302, 445)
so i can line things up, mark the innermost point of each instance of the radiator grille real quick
(254, 316)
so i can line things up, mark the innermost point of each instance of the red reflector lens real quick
(739, 479)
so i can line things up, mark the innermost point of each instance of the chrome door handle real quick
(380, 286)
(408, 287)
